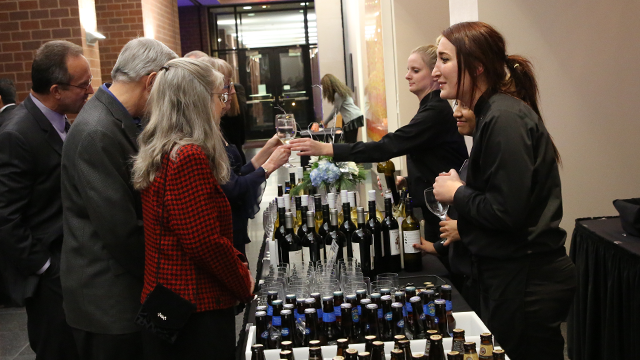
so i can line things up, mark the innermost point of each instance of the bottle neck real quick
(388, 208)
(346, 211)
(372, 209)
(408, 208)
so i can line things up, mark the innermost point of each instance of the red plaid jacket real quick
(197, 257)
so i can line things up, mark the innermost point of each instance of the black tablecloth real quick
(604, 322)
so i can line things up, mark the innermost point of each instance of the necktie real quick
(66, 125)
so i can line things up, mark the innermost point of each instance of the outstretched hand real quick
(310, 147)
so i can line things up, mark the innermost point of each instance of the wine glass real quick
(435, 206)
(286, 130)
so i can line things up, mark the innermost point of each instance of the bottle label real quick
(400, 324)
(276, 321)
(307, 331)
(270, 310)
(320, 313)
(388, 316)
(305, 254)
(409, 307)
(394, 241)
(410, 238)
(449, 305)
(423, 316)
(285, 331)
(359, 310)
(295, 256)
(431, 309)
(379, 313)
(265, 334)
(337, 311)
(485, 351)
(329, 317)
(300, 317)
(355, 317)
(356, 251)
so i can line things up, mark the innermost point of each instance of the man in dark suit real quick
(103, 252)
(30, 206)
(7, 98)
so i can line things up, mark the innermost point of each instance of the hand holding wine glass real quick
(446, 185)
(436, 207)
(286, 130)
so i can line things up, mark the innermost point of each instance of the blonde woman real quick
(187, 218)
(337, 93)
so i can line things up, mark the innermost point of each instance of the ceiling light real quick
(252, 14)
(264, 6)
(247, 7)
(301, 4)
(219, 40)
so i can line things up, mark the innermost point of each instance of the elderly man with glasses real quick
(103, 255)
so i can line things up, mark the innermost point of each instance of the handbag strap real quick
(161, 221)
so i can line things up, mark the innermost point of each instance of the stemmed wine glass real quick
(435, 206)
(286, 130)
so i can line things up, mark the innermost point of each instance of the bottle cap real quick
(410, 288)
(310, 301)
(331, 200)
(304, 199)
(387, 195)
(374, 295)
(276, 302)
(352, 198)
(361, 291)
(440, 301)
(310, 310)
(280, 201)
(299, 172)
(445, 287)
(350, 297)
(311, 221)
(365, 301)
(386, 298)
(415, 299)
(338, 293)
(344, 196)
(261, 313)
(371, 195)
(360, 215)
(327, 298)
(344, 306)
(287, 201)
(285, 312)
(288, 222)
(372, 306)
(397, 305)
(334, 217)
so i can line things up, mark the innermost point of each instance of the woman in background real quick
(338, 94)
(510, 207)
(187, 221)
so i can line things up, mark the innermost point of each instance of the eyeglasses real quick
(83, 87)
(224, 97)
(228, 86)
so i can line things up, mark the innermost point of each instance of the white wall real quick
(586, 56)
(330, 42)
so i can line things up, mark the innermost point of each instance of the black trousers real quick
(525, 300)
(94, 346)
(50, 336)
(207, 335)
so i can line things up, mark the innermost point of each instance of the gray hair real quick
(196, 54)
(181, 110)
(50, 65)
(140, 57)
(219, 65)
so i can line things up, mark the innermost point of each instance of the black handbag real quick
(163, 312)
(629, 210)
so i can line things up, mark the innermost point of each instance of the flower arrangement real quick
(327, 175)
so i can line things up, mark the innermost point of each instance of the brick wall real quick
(120, 21)
(161, 22)
(27, 24)
(194, 30)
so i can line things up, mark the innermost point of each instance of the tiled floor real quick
(14, 344)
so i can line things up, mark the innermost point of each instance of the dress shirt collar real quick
(6, 106)
(106, 87)
(56, 119)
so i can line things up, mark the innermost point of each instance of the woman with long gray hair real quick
(187, 218)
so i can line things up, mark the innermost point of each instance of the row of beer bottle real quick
(375, 243)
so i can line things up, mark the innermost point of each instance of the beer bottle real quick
(397, 354)
(319, 218)
(329, 333)
(343, 346)
(445, 293)
(429, 308)
(364, 356)
(397, 310)
(271, 296)
(257, 352)
(427, 347)
(371, 320)
(458, 341)
(299, 220)
(361, 294)
(294, 244)
(286, 355)
(470, 351)
(311, 326)
(338, 299)
(391, 238)
(454, 355)
(304, 207)
(436, 350)
(441, 317)
(376, 298)
(486, 346)
(316, 244)
(410, 291)
(318, 305)
(498, 354)
(378, 254)
(368, 343)
(405, 347)
(335, 235)
(280, 190)
(401, 298)
(275, 332)
(286, 345)
(362, 237)
(288, 325)
(315, 353)
(378, 351)
(396, 341)
(348, 227)
(299, 312)
(363, 314)
(419, 318)
(411, 235)
(262, 328)
(352, 354)
(386, 333)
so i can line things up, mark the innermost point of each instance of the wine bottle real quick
(300, 175)
(379, 255)
(388, 169)
(297, 203)
(411, 234)
(292, 182)
(326, 222)
(317, 199)
(280, 232)
(362, 236)
(343, 197)
(390, 238)
(293, 241)
(347, 228)
(335, 235)
(351, 195)
(280, 190)
(316, 243)
(304, 204)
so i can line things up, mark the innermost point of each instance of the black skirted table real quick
(604, 322)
